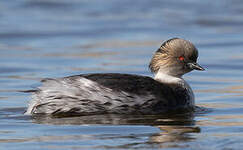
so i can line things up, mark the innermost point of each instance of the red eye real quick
(181, 58)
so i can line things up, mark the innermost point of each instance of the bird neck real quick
(168, 79)
(174, 81)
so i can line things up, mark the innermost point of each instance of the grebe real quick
(123, 93)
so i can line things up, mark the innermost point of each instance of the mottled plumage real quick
(123, 93)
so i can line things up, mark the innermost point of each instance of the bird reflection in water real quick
(174, 128)
(174, 135)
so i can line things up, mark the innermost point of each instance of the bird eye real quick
(181, 58)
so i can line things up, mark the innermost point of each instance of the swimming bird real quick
(115, 93)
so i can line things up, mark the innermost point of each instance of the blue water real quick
(56, 38)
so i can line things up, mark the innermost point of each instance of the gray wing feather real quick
(79, 94)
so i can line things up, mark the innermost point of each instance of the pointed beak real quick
(195, 66)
